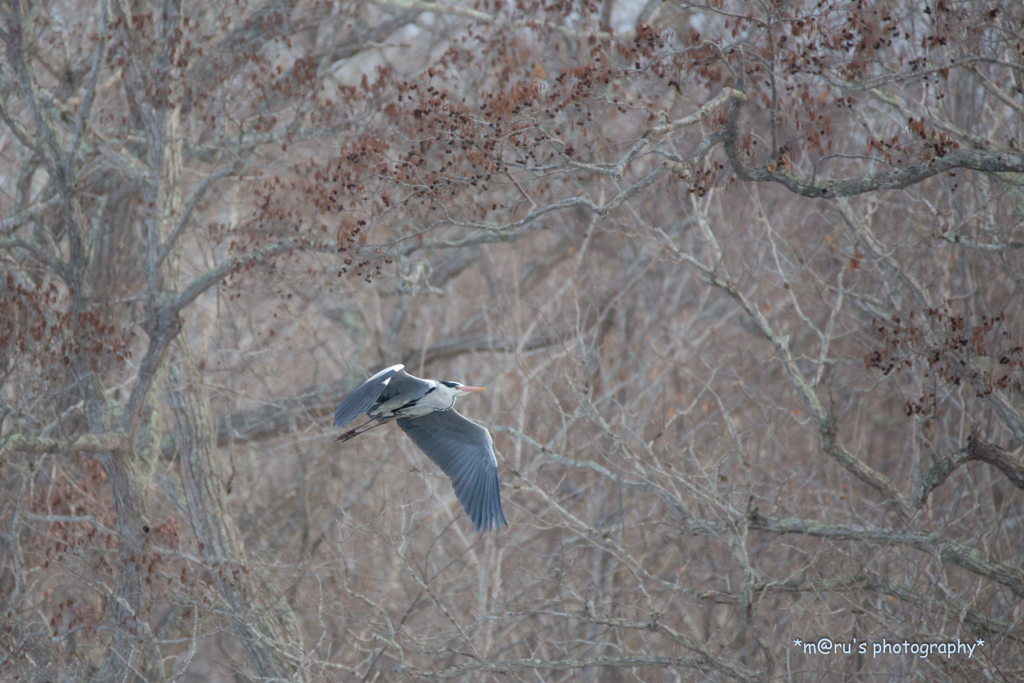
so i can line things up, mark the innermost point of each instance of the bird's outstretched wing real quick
(464, 451)
(368, 393)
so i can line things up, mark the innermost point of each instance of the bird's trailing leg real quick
(363, 428)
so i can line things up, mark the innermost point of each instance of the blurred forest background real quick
(744, 281)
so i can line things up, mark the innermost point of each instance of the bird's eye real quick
(451, 385)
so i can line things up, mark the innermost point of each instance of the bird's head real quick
(460, 389)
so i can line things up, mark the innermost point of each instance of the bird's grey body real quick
(424, 409)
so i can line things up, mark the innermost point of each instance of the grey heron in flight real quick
(424, 409)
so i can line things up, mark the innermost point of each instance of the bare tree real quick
(743, 280)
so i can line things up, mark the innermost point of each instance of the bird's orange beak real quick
(465, 388)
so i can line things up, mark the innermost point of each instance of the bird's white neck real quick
(443, 395)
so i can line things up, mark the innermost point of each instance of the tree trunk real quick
(263, 619)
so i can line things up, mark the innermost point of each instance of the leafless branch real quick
(89, 87)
